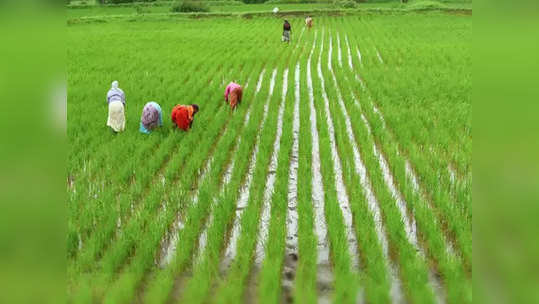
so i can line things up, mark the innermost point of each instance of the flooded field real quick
(344, 175)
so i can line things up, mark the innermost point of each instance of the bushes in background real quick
(186, 6)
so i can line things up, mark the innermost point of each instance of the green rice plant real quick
(453, 216)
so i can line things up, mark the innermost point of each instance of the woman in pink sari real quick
(233, 94)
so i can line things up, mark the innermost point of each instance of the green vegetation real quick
(391, 112)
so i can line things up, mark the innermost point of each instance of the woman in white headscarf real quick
(116, 101)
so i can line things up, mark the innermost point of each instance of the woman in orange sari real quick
(183, 116)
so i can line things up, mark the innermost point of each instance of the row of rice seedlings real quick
(156, 164)
(127, 199)
(160, 287)
(224, 209)
(451, 216)
(269, 288)
(345, 283)
(230, 251)
(264, 223)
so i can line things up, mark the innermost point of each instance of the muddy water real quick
(263, 229)
(324, 271)
(291, 250)
(349, 52)
(168, 249)
(342, 196)
(230, 251)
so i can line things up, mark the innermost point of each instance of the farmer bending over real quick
(151, 118)
(233, 94)
(116, 101)
(309, 22)
(286, 31)
(183, 115)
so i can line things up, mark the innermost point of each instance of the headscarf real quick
(115, 93)
(150, 116)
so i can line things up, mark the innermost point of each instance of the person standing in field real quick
(152, 117)
(183, 116)
(286, 31)
(309, 22)
(233, 94)
(116, 102)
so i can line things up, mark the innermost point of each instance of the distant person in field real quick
(116, 102)
(152, 117)
(309, 22)
(183, 116)
(286, 31)
(233, 94)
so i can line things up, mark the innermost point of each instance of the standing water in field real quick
(263, 229)
(325, 275)
(339, 53)
(291, 250)
(350, 64)
(342, 196)
(230, 251)
(230, 167)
